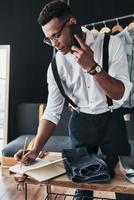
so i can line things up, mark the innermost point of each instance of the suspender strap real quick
(106, 63)
(58, 81)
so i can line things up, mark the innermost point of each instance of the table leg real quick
(48, 192)
(25, 191)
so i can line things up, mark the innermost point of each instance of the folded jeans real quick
(84, 167)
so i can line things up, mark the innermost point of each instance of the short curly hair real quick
(53, 9)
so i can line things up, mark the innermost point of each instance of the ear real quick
(72, 20)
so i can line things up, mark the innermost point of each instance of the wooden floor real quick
(8, 190)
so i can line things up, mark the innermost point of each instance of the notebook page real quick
(37, 164)
(47, 172)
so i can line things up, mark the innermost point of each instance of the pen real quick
(25, 144)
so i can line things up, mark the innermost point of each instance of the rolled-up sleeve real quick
(119, 66)
(55, 100)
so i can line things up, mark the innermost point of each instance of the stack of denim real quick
(83, 167)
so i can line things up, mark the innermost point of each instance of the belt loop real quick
(111, 108)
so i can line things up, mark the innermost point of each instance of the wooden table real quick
(119, 184)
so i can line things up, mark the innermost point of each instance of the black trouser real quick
(106, 131)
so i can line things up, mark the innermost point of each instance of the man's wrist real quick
(36, 150)
(95, 69)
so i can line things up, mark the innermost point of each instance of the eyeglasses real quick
(55, 36)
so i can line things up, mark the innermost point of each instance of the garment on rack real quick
(127, 38)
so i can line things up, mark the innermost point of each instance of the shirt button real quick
(88, 86)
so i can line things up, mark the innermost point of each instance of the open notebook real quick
(41, 169)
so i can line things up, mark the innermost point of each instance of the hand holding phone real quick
(76, 30)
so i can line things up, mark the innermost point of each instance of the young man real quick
(84, 80)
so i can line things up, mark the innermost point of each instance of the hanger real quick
(117, 28)
(105, 29)
(131, 25)
(94, 30)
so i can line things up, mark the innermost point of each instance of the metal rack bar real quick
(109, 20)
(57, 196)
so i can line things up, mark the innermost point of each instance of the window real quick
(4, 92)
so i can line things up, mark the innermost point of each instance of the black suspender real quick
(105, 67)
(58, 81)
(105, 64)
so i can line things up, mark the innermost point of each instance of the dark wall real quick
(88, 11)
(29, 56)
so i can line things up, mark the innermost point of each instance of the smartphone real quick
(76, 29)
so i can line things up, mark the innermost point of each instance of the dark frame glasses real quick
(55, 36)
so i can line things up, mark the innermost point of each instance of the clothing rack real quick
(110, 20)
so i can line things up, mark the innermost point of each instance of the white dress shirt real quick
(80, 86)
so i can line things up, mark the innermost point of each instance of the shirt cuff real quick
(128, 87)
(51, 117)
